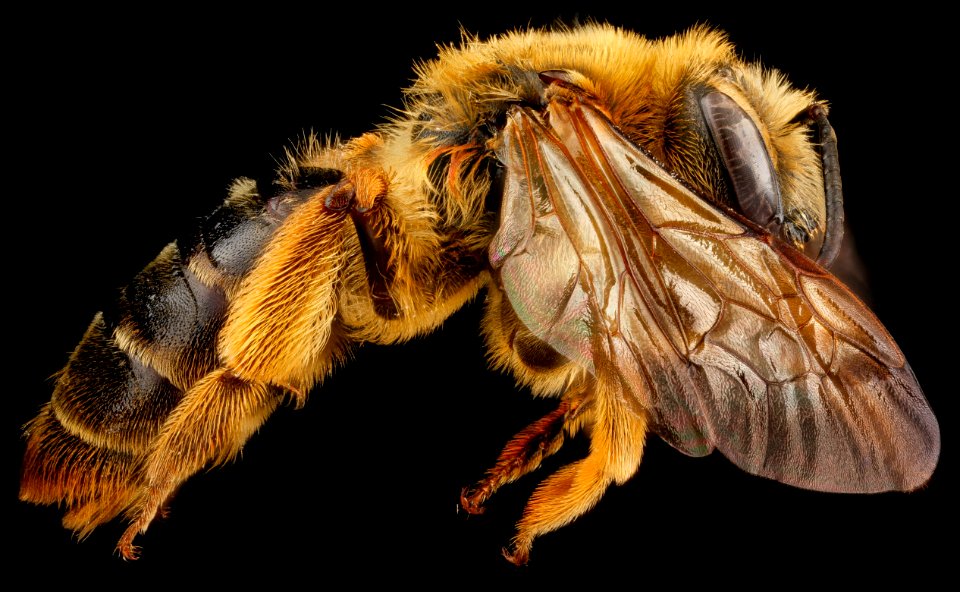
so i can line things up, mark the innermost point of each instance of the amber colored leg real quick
(210, 426)
(565, 495)
(521, 455)
(616, 448)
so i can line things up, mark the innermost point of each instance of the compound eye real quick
(746, 159)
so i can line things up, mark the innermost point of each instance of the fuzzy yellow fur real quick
(617, 437)
(279, 323)
(294, 316)
(639, 82)
(93, 482)
(209, 427)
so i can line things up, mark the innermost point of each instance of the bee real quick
(650, 223)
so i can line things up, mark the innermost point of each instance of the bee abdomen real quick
(137, 359)
(168, 319)
(110, 398)
(95, 484)
(170, 314)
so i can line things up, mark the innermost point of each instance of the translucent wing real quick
(730, 341)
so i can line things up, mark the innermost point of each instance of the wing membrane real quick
(731, 342)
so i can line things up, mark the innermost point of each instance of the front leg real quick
(617, 435)
(525, 452)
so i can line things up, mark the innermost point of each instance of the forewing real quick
(729, 340)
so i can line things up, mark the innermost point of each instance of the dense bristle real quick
(94, 484)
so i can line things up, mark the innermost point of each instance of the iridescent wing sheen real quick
(730, 340)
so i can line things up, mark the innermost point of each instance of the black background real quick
(126, 134)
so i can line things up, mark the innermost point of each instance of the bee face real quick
(460, 410)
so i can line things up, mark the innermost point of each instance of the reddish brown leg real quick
(617, 435)
(522, 454)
